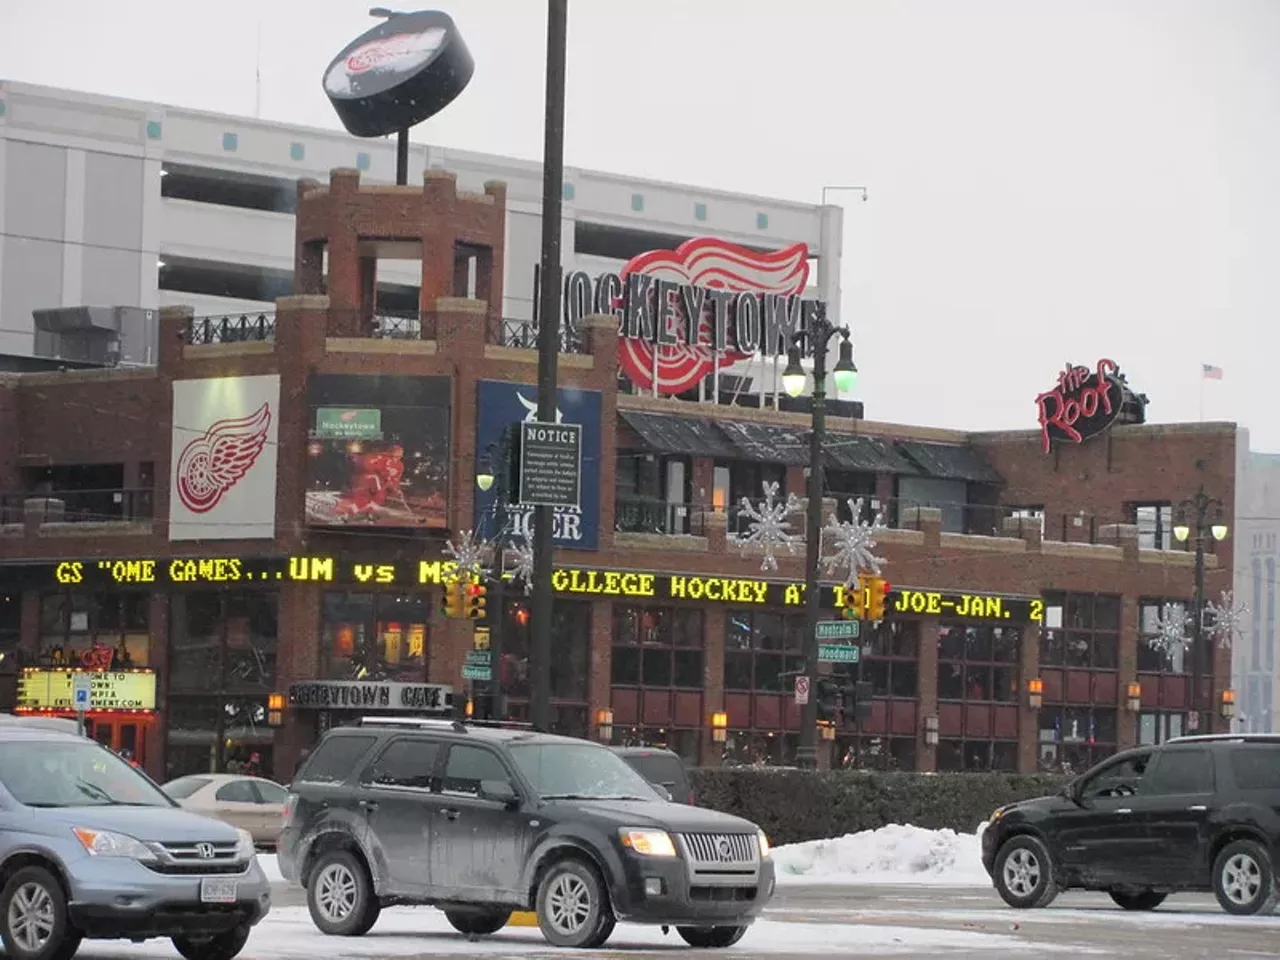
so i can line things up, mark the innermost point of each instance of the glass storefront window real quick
(571, 653)
(375, 636)
(761, 648)
(657, 647)
(96, 631)
(1074, 738)
(222, 665)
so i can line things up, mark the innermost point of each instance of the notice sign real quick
(550, 464)
(110, 691)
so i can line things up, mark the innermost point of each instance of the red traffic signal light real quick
(877, 593)
(475, 601)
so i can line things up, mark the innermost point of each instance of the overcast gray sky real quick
(1050, 181)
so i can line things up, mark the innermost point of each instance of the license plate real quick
(217, 890)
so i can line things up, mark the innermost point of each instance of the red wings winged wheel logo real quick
(212, 464)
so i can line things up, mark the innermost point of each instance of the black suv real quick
(1194, 814)
(481, 821)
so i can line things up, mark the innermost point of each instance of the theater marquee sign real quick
(585, 582)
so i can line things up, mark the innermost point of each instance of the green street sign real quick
(478, 658)
(348, 423)
(838, 653)
(476, 673)
(836, 630)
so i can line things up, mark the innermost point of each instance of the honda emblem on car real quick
(204, 851)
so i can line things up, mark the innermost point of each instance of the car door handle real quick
(1198, 808)
(451, 814)
(1124, 810)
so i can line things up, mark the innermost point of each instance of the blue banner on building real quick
(500, 404)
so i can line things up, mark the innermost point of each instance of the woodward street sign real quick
(838, 653)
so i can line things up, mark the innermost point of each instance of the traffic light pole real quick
(498, 620)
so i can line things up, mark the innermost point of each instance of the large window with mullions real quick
(761, 649)
(221, 668)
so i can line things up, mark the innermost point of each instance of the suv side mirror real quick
(663, 791)
(499, 791)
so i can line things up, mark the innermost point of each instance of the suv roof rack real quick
(1217, 737)
(436, 722)
(442, 723)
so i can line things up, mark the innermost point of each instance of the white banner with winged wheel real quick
(222, 483)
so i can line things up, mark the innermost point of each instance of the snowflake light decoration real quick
(769, 526)
(471, 556)
(1226, 620)
(1172, 624)
(854, 542)
(521, 554)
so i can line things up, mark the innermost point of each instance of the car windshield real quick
(580, 771)
(73, 773)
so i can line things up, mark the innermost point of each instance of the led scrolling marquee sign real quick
(572, 581)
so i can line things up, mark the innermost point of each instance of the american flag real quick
(1211, 372)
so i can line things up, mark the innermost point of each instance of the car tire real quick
(706, 938)
(1023, 873)
(573, 906)
(477, 923)
(1243, 879)
(340, 896)
(1139, 900)
(222, 946)
(33, 918)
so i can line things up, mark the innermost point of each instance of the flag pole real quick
(1203, 378)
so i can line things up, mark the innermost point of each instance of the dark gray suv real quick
(481, 821)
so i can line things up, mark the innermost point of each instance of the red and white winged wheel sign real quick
(705, 262)
(212, 464)
(223, 458)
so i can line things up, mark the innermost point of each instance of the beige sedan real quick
(250, 803)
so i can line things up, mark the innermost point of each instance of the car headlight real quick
(245, 848)
(765, 848)
(105, 843)
(650, 843)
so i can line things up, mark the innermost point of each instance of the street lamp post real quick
(817, 335)
(1193, 520)
(497, 469)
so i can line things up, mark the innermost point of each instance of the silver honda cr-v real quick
(91, 848)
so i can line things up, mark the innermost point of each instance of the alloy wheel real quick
(1022, 872)
(1241, 879)
(336, 893)
(568, 904)
(31, 917)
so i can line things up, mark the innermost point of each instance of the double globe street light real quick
(816, 336)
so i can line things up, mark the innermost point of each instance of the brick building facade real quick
(1075, 544)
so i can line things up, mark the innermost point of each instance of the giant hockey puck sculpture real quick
(404, 71)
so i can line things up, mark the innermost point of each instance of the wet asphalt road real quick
(919, 921)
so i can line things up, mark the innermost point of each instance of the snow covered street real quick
(896, 892)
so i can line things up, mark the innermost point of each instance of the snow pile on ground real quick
(897, 853)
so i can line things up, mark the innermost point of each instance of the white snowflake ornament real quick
(854, 544)
(1172, 626)
(471, 556)
(1226, 620)
(769, 526)
(521, 554)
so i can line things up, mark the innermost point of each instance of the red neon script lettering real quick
(1079, 393)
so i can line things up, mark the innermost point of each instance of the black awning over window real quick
(948, 461)
(768, 443)
(663, 433)
(860, 454)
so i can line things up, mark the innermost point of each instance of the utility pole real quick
(548, 351)
(1193, 520)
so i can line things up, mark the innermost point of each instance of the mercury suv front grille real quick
(721, 849)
